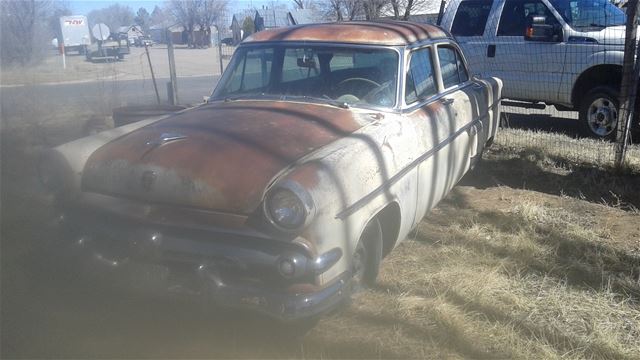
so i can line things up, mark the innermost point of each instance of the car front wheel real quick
(599, 113)
(367, 256)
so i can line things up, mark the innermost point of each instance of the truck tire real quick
(599, 113)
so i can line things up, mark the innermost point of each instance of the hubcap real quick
(602, 116)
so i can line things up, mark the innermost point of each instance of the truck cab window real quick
(471, 18)
(513, 21)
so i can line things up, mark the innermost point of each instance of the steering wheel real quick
(358, 91)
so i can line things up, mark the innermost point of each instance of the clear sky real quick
(82, 7)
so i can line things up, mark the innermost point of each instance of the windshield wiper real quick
(246, 96)
(324, 100)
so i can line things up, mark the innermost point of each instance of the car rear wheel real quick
(599, 113)
(367, 256)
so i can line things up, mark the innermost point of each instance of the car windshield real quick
(349, 76)
(581, 14)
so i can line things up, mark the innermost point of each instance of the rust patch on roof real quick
(371, 32)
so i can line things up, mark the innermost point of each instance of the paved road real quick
(100, 96)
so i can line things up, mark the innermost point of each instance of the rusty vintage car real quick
(319, 150)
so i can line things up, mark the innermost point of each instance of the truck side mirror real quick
(538, 30)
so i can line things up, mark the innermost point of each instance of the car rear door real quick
(442, 113)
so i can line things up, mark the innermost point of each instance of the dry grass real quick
(582, 151)
(523, 278)
(527, 258)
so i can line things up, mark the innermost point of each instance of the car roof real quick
(358, 32)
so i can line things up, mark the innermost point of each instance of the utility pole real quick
(153, 76)
(629, 86)
(220, 49)
(173, 84)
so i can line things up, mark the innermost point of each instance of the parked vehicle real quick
(321, 147)
(109, 50)
(75, 33)
(563, 53)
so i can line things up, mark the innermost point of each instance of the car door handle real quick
(448, 101)
(491, 50)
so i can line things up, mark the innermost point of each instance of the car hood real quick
(218, 156)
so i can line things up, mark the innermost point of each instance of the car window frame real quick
(433, 71)
(398, 49)
(442, 92)
(458, 54)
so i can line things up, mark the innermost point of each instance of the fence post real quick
(628, 90)
(220, 49)
(172, 71)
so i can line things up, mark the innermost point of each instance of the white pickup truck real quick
(567, 53)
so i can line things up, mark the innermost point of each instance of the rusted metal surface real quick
(219, 165)
(378, 33)
(226, 156)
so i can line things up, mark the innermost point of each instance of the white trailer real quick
(75, 33)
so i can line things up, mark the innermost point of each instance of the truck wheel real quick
(599, 113)
(367, 256)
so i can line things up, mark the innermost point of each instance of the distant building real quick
(132, 32)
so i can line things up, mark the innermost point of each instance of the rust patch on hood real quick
(219, 156)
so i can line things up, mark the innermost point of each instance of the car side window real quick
(253, 73)
(471, 18)
(452, 67)
(517, 13)
(420, 81)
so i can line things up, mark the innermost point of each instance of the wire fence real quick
(562, 64)
(567, 67)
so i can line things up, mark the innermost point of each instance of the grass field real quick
(534, 255)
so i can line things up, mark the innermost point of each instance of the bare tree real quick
(372, 9)
(114, 16)
(185, 14)
(353, 8)
(332, 10)
(23, 35)
(402, 9)
(198, 15)
(211, 13)
(303, 4)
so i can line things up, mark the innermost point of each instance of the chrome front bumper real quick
(228, 270)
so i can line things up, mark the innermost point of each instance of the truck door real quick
(468, 26)
(530, 70)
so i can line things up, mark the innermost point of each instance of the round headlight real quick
(286, 209)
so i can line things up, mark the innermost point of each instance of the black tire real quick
(367, 256)
(599, 111)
